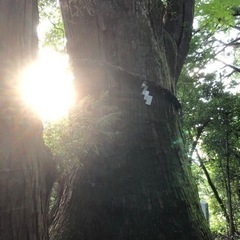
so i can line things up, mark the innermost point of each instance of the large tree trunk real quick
(139, 187)
(25, 161)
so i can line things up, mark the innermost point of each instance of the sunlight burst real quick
(47, 86)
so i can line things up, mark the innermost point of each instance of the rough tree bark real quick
(25, 162)
(140, 186)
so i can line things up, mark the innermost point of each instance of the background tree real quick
(206, 89)
(25, 162)
(138, 186)
(51, 25)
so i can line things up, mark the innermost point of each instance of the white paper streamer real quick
(146, 95)
(144, 90)
(143, 85)
(149, 100)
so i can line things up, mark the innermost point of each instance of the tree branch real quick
(214, 189)
(235, 68)
(230, 44)
(199, 133)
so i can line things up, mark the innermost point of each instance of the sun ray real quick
(47, 86)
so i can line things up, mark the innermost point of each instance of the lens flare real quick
(47, 86)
